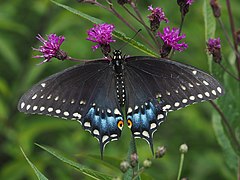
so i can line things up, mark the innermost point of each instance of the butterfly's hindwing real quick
(144, 120)
(84, 93)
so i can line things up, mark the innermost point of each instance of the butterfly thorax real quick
(118, 68)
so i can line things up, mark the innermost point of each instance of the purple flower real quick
(214, 49)
(213, 44)
(101, 34)
(50, 47)
(157, 15)
(189, 2)
(171, 38)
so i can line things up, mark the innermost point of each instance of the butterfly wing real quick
(159, 86)
(85, 93)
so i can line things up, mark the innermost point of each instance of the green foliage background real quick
(20, 22)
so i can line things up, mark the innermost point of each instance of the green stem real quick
(232, 25)
(129, 174)
(136, 176)
(180, 166)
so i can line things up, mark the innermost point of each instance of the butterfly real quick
(98, 94)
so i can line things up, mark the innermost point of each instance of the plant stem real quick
(133, 5)
(235, 142)
(130, 172)
(143, 23)
(141, 170)
(180, 166)
(228, 72)
(233, 36)
(129, 25)
(226, 34)
(238, 168)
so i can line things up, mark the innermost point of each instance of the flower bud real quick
(183, 148)
(147, 163)
(124, 166)
(156, 17)
(216, 8)
(134, 159)
(160, 152)
(184, 6)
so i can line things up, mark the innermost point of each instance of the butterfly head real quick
(117, 61)
(117, 55)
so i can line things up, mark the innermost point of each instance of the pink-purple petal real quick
(172, 38)
(50, 47)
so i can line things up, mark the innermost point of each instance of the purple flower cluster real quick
(157, 14)
(101, 34)
(171, 38)
(189, 2)
(50, 47)
(214, 49)
(213, 44)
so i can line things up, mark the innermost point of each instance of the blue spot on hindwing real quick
(144, 120)
(102, 125)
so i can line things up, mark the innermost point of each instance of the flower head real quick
(133, 159)
(215, 8)
(160, 152)
(172, 37)
(183, 148)
(184, 6)
(102, 35)
(51, 47)
(157, 15)
(214, 48)
(189, 2)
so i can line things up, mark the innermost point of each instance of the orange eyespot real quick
(129, 123)
(120, 124)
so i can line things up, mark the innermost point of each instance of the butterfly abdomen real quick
(120, 88)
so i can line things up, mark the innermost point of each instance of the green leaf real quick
(110, 162)
(117, 34)
(210, 26)
(79, 13)
(88, 172)
(39, 175)
(229, 103)
(9, 54)
(231, 157)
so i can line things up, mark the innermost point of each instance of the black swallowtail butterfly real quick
(95, 92)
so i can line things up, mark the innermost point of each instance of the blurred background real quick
(20, 22)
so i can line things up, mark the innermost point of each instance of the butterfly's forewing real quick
(165, 86)
(84, 93)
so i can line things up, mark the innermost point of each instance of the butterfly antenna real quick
(130, 39)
